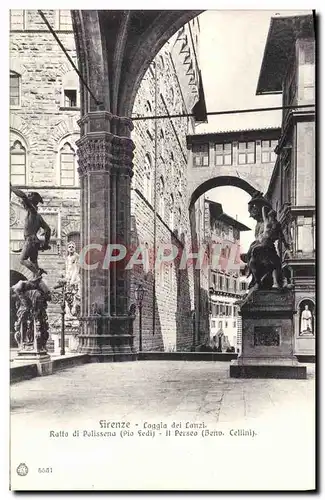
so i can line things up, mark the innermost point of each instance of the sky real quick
(232, 44)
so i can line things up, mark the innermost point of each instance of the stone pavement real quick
(280, 411)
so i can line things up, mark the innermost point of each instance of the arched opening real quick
(14, 278)
(221, 181)
(218, 210)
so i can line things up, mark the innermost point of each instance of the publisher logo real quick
(22, 470)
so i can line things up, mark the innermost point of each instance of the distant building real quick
(288, 67)
(225, 277)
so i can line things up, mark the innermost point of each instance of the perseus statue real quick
(33, 223)
(262, 259)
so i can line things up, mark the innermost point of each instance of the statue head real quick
(71, 248)
(306, 307)
(255, 207)
(35, 198)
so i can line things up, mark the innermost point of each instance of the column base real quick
(118, 347)
(287, 368)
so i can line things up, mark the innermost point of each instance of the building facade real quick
(292, 189)
(44, 110)
(225, 277)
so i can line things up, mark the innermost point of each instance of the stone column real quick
(105, 167)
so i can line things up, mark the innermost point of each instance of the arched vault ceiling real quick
(129, 40)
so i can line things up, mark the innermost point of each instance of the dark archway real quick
(14, 278)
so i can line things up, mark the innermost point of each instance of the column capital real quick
(102, 151)
(104, 121)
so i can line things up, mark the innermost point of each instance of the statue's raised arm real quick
(33, 223)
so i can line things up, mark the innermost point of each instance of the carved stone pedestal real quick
(41, 358)
(268, 337)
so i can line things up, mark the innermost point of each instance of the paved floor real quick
(162, 392)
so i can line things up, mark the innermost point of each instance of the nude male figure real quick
(33, 223)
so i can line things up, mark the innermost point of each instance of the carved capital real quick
(103, 151)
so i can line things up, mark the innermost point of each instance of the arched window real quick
(171, 212)
(68, 174)
(162, 142)
(147, 179)
(148, 108)
(172, 167)
(14, 89)
(75, 237)
(162, 63)
(150, 123)
(18, 164)
(161, 194)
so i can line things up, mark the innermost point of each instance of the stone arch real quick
(221, 180)
(66, 127)
(16, 66)
(72, 227)
(23, 129)
(113, 65)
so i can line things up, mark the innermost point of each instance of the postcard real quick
(162, 250)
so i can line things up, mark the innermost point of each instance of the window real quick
(171, 212)
(14, 89)
(17, 19)
(268, 154)
(67, 165)
(75, 237)
(226, 324)
(220, 325)
(220, 282)
(246, 152)
(180, 221)
(227, 284)
(18, 164)
(161, 194)
(65, 21)
(70, 98)
(214, 278)
(70, 94)
(235, 285)
(243, 286)
(200, 155)
(147, 184)
(223, 154)
(162, 142)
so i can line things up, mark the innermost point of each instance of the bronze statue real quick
(33, 223)
(262, 258)
(31, 327)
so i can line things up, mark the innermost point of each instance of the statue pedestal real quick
(41, 358)
(268, 337)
